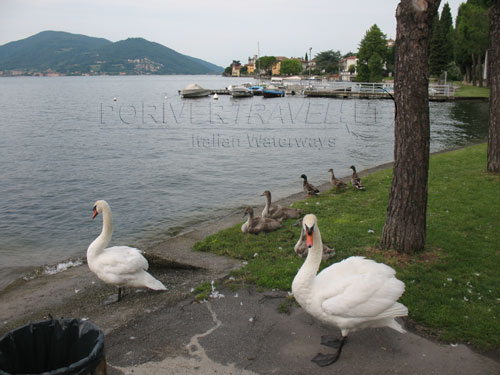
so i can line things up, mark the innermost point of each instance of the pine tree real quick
(446, 24)
(437, 53)
(373, 42)
(405, 225)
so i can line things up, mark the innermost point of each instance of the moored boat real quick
(257, 90)
(194, 91)
(273, 92)
(240, 91)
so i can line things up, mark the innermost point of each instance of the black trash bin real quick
(53, 347)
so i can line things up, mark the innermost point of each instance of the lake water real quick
(165, 163)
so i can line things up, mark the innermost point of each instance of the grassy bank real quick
(471, 91)
(452, 287)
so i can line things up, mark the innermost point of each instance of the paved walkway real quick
(243, 333)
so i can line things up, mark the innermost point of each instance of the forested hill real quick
(56, 52)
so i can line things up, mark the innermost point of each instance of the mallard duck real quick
(118, 265)
(308, 188)
(355, 180)
(277, 211)
(302, 250)
(353, 294)
(336, 183)
(258, 224)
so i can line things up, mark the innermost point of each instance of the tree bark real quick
(474, 83)
(405, 225)
(467, 74)
(480, 70)
(493, 164)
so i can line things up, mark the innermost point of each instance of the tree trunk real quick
(405, 225)
(467, 74)
(480, 70)
(474, 82)
(494, 76)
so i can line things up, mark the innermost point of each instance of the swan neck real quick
(268, 204)
(103, 239)
(309, 269)
(107, 224)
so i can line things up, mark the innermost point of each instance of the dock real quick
(221, 92)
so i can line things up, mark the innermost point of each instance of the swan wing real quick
(122, 260)
(359, 288)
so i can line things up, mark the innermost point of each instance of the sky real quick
(218, 31)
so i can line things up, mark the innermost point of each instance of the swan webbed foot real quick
(114, 298)
(331, 341)
(111, 299)
(323, 360)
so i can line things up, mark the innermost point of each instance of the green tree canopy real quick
(437, 51)
(441, 43)
(290, 67)
(471, 33)
(374, 42)
(328, 61)
(265, 63)
(446, 24)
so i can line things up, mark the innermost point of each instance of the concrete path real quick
(243, 333)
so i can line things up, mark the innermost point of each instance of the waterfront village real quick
(307, 67)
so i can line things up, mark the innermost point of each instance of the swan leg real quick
(114, 297)
(323, 360)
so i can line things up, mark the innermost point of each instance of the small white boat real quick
(240, 91)
(194, 91)
(216, 97)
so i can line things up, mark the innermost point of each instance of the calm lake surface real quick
(165, 163)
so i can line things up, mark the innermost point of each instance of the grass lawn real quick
(471, 91)
(452, 287)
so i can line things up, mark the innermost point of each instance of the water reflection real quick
(458, 123)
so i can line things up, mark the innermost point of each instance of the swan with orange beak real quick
(353, 294)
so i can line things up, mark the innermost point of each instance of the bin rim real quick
(96, 355)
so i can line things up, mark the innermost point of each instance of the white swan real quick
(354, 294)
(118, 265)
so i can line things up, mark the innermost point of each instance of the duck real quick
(336, 183)
(302, 250)
(258, 224)
(277, 211)
(309, 189)
(122, 266)
(355, 180)
(353, 294)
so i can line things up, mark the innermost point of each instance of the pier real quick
(357, 90)
(365, 90)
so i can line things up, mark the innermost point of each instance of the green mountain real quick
(65, 53)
